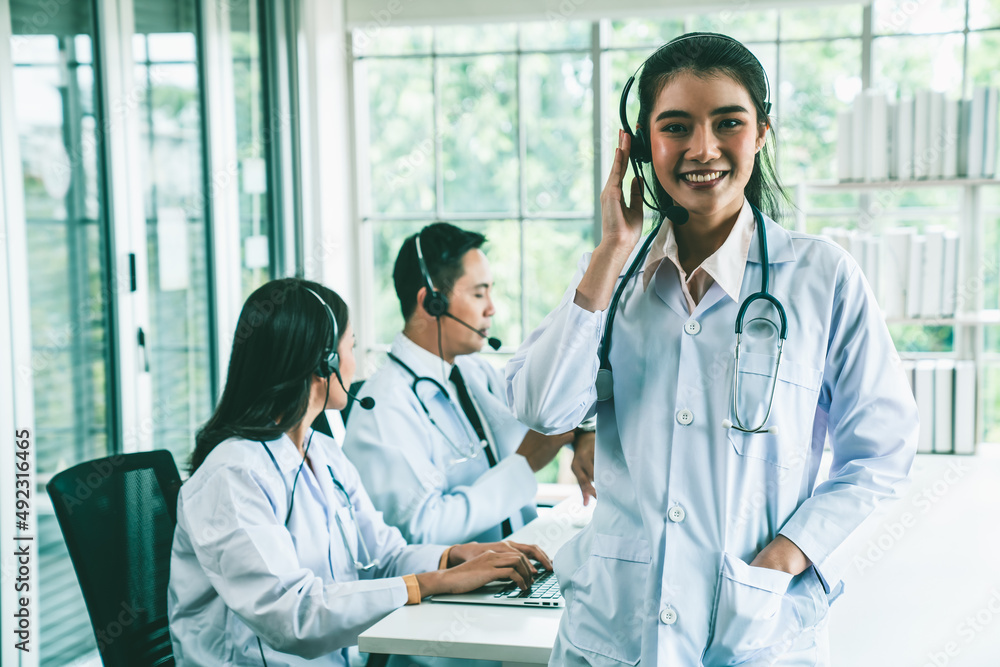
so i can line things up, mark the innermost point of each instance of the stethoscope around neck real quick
(362, 567)
(605, 379)
(474, 443)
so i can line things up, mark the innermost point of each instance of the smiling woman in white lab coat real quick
(712, 542)
(279, 557)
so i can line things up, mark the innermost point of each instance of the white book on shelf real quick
(964, 120)
(859, 138)
(949, 138)
(921, 134)
(873, 264)
(909, 366)
(965, 407)
(935, 148)
(914, 281)
(838, 235)
(845, 166)
(891, 129)
(944, 372)
(949, 273)
(990, 141)
(878, 122)
(977, 133)
(923, 391)
(857, 247)
(930, 304)
(903, 139)
(896, 245)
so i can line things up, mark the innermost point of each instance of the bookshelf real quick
(877, 210)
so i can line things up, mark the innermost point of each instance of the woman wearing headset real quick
(279, 557)
(712, 542)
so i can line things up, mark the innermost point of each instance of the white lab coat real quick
(237, 573)
(407, 464)
(661, 573)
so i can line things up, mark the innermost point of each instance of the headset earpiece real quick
(641, 150)
(329, 363)
(435, 302)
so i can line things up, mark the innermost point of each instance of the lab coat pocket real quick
(605, 617)
(753, 615)
(811, 601)
(792, 409)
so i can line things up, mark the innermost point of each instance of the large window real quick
(87, 256)
(66, 215)
(499, 128)
(508, 129)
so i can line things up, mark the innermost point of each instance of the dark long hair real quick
(280, 338)
(707, 54)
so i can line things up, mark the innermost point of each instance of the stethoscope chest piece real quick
(605, 384)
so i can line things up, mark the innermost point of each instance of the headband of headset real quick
(641, 150)
(329, 363)
(435, 301)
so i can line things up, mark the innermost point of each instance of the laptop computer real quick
(544, 592)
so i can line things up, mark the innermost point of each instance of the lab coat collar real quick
(725, 266)
(287, 454)
(779, 244)
(422, 362)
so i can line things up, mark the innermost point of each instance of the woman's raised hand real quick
(621, 225)
(621, 228)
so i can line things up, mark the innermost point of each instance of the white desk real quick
(512, 635)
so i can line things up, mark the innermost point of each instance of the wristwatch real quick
(587, 425)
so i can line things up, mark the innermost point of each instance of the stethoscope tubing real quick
(604, 378)
(417, 379)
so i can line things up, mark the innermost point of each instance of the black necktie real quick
(473, 416)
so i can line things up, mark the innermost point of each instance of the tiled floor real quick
(925, 589)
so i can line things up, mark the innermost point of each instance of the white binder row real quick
(926, 136)
(945, 391)
(912, 275)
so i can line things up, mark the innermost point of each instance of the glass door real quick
(180, 336)
(68, 277)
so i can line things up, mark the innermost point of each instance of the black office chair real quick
(117, 515)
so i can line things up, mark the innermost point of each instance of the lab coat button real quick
(685, 417)
(693, 327)
(668, 616)
(676, 514)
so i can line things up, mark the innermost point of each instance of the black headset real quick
(435, 301)
(329, 363)
(641, 151)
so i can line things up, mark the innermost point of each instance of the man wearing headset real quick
(442, 455)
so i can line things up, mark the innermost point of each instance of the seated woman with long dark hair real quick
(279, 557)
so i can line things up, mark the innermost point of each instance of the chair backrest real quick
(117, 515)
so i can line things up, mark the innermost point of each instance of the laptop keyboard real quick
(545, 587)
